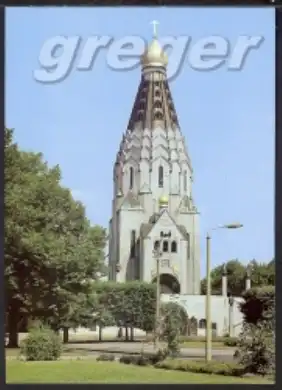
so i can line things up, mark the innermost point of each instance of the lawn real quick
(86, 371)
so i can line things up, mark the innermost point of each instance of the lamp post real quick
(208, 346)
(231, 303)
(157, 254)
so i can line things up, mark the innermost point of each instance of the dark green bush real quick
(256, 345)
(256, 348)
(144, 359)
(41, 344)
(258, 304)
(105, 358)
(157, 357)
(186, 339)
(213, 367)
(127, 359)
(230, 341)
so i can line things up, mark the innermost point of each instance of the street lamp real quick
(157, 254)
(208, 349)
(231, 304)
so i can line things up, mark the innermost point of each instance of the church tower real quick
(152, 199)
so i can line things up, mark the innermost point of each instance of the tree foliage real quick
(171, 325)
(262, 274)
(256, 347)
(131, 304)
(51, 250)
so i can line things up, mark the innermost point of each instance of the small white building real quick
(225, 319)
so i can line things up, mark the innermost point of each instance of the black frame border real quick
(278, 176)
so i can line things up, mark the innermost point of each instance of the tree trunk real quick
(126, 333)
(131, 333)
(65, 335)
(100, 332)
(119, 335)
(13, 328)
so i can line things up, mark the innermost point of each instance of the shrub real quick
(213, 367)
(105, 358)
(41, 344)
(138, 360)
(256, 349)
(258, 304)
(230, 341)
(186, 339)
(144, 359)
(126, 359)
(154, 358)
(256, 346)
(171, 325)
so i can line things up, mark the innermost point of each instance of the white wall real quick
(195, 307)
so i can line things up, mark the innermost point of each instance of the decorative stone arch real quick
(168, 284)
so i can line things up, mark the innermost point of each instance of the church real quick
(152, 204)
(154, 215)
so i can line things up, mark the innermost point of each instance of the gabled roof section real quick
(146, 228)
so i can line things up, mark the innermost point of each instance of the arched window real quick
(165, 246)
(174, 247)
(161, 176)
(131, 178)
(156, 245)
(202, 324)
(185, 181)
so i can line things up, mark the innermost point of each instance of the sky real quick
(227, 117)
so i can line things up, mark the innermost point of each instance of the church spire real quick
(153, 106)
(153, 128)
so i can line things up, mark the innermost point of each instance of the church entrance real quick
(168, 284)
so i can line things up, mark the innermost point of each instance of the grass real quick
(78, 371)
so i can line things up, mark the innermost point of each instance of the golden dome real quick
(163, 200)
(154, 55)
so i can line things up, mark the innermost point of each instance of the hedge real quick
(213, 367)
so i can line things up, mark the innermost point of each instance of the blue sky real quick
(226, 116)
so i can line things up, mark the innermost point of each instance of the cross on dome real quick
(155, 23)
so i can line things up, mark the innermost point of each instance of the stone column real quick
(224, 281)
(231, 315)
(248, 278)
(224, 294)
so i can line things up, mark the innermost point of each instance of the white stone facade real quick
(152, 197)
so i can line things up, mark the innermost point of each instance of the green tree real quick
(236, 272)
(262, 274)
(171, 326)
(51, 251)
(256, 347)
(27, 250)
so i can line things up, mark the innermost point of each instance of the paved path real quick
(135, 348)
